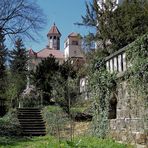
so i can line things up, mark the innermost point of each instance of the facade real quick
(54, 38)
(72, 48)
(128, 110)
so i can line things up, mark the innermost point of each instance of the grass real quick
(51, 142)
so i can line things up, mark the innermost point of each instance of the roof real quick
(46, 52)
(32, 53)
(73, 34)
(54, 30)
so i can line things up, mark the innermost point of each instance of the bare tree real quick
(20, 17)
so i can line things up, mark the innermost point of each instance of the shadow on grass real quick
(12, 141)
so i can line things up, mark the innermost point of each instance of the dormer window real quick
(74, 42)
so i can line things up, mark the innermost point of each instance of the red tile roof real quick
(32, 53)
(54, 30)
(73, 34)
(46, 52)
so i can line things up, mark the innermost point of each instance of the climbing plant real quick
(102, 83)
(137, 57)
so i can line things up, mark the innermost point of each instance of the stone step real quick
(29, 117)
(31, 121)
(32, 127)
(34, 133)
(28, 109)
(34, 130)
(29, 112)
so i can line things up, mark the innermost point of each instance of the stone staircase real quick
(31, 122)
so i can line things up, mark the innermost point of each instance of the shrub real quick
(9, 124)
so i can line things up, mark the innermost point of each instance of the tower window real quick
(75, 52)
(50, 37)
(66, 44)
(74, 42)
(58, 38)
(54, 37)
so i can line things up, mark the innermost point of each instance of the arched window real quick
(112, 107)
(74, 42)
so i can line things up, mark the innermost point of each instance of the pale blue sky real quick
(64, 13)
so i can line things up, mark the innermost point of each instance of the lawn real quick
(51, 142)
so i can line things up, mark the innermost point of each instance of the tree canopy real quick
(20, 17)
(18, 58)
(43, 76)
(3, 54)
(116, 26)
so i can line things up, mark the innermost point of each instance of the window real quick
(66, 44)
(75, 52)
(112, 108)
(74, 42)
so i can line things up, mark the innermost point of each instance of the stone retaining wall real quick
(131, 124)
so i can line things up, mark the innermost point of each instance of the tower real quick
(72, 46)
(54, 38)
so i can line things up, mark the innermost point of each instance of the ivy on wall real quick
(102, 83)
(137, 59)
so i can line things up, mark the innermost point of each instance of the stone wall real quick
(131, 121)
(130, 124)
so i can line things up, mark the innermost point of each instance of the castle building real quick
(72, 48)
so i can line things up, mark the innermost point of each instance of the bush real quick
(9, 124)
(55, 119)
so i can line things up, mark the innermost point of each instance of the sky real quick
(64, 13)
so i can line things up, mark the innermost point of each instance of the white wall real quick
(72, 50)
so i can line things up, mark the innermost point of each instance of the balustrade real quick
(116, 62)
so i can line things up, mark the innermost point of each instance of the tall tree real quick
(3, 54)
(18, 68)
(116, 26)
(20, 17)
(18, 58)
(43, 76)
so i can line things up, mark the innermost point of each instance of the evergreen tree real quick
(43, 77)
(115, 28)
(3, 54)
(18, 59)
(18, 68)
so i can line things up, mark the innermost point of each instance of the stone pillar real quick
(107, 66)
(120, 63)
(111, 65)
(115, 64)
(124, 61)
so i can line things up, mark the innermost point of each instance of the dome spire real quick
(54, 37)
